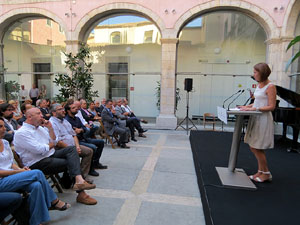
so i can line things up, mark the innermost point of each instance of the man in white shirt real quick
(35, 145)
(23, 94)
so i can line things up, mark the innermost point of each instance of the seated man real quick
(44, 109)
(133, 121)
(97, 108)
(35, 146)
(11, 125)
(66, 136)
(90, 127)
(95, 144)
(112, 126)
(24, 107)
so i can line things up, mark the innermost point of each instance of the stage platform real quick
(272, 203)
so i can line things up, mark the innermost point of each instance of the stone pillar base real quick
(165, 121)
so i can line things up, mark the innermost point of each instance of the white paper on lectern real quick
(222, 114)
(234, 109)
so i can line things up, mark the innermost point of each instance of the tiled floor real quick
(153, 182)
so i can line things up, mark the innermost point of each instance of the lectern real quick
(231, 176)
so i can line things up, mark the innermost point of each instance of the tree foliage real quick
(12, 90)
(80, 82)
(157, 93)
(294, 57)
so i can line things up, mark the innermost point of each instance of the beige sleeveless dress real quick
(260, 129)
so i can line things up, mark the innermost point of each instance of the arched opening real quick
(126, 56)
(33, 54)
(218, 50)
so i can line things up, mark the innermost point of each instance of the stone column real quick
(167, 118)
(277, 58)
(2, 89)
(72, 46)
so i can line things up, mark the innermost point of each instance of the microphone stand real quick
(235, 98)
(228, 99)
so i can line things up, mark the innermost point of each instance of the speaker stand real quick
(186, 119)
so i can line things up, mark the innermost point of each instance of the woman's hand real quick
(26, 168)
(248, 109)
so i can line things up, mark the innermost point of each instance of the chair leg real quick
(56, 183)
(110, 141)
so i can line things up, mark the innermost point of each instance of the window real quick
(49, 22)
(115, 38)
(148, 36)
(49, 42)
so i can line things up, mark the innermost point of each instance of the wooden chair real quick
(104, 134)
(209, 118)
(53, 177)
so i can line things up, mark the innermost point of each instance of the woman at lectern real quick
(260, 130)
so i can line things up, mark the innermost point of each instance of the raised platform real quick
(272, 203)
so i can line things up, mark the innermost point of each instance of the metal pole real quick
(235, 146)
(187, 114)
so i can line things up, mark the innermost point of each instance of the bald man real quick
(35, 142)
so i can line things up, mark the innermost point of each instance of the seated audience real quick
(1, 101)
(66, 136)
(34, 143)
(24, 108)
(17, 112)
(131, 122)
(126, 107)
(92, 110)
(13, 178)
(83, 136)
(112, 125)
(44, 109)
(97, 108)
(89, 117)
(11, 125)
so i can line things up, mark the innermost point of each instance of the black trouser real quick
(60, 161)
(134, 122)
(34, 101)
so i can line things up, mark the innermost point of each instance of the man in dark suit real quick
(6, 112)
(45, 111)
(99, 107)
(131, 122)
(111, 124)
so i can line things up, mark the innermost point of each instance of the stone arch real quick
(251, 10)
(91, 19)
(290, 19)
(7, 19)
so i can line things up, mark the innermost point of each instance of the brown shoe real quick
(142, 135)
(84, 186)
(87, 200)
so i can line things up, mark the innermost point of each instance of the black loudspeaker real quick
(188, 84)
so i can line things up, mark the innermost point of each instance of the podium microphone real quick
(231, 97)
(235, 98)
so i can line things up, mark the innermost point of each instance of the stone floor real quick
(153, 182)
